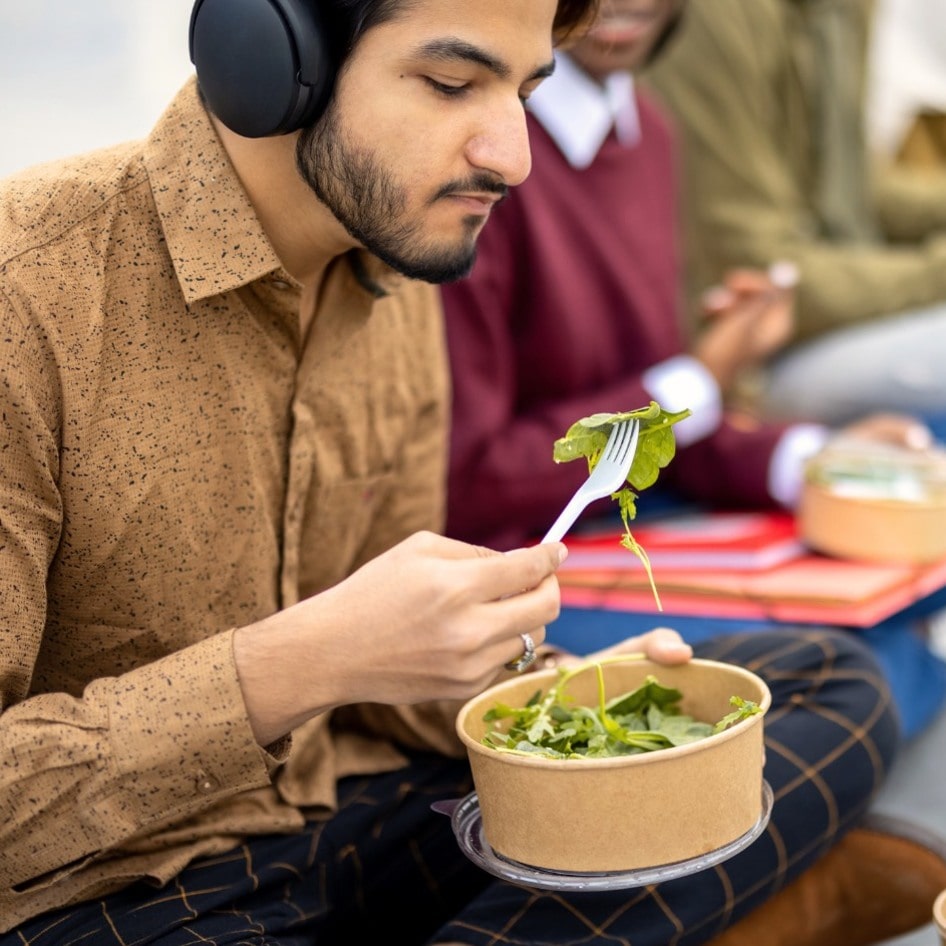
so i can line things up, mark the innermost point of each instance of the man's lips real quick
(476, 203)
(476, 195)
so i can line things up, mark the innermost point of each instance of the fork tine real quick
(629, 443)
(613, 438)
(617, 448)
(625, 431)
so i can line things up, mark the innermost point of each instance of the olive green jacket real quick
(771, 172)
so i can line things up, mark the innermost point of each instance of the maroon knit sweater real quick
(575, 292)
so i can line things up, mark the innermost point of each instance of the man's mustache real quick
(478, 183)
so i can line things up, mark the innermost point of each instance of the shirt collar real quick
(214, 236)
(578, 113)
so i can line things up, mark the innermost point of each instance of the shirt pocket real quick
(337, 520)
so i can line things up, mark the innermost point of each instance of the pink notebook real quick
(810, 589)
(717, 540)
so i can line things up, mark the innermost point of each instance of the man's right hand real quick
(431, 618)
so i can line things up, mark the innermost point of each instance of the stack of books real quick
(739, 565)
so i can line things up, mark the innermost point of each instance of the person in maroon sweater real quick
(573, 308)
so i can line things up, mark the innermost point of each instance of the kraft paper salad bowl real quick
(628, 812)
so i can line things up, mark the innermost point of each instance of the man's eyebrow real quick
(457, 50)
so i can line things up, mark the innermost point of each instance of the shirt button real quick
(206, 784)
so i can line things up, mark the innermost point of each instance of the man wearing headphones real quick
(233, 644)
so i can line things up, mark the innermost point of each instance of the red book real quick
(812, 589)
(743, 541)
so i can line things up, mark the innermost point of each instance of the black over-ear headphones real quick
(264, 66)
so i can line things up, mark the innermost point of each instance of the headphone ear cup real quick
(263, 66)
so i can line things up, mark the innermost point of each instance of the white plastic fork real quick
(606, 478)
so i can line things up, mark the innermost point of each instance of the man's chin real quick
(441, 274)
(434, 268)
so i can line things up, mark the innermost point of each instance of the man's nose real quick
(501, 145)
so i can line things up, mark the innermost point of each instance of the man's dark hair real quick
(353, 18)
(573, 16)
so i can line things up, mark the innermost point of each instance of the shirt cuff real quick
(787, 465)
(181, 735)
(685, 382)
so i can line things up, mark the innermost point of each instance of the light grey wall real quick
(908, 67)
(79, 74)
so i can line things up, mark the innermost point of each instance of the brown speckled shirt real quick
(175, 462)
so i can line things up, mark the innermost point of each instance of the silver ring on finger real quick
(528, 655)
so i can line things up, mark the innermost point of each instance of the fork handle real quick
(566, 518)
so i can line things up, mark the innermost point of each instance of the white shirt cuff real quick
(684, 382)
(787, 465)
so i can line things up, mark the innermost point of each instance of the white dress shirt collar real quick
(578, 113)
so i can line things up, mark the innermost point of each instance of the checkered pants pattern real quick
(386, 868)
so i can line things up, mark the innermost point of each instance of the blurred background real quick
(908, 69)
(76, 76)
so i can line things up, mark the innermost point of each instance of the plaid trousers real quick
(385, 868)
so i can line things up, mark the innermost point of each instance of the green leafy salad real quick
(551, 726)
(656, 447)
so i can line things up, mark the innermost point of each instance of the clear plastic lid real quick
(861, 469)
(467, 823)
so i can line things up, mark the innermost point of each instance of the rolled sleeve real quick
(180, 735)
(159, 743)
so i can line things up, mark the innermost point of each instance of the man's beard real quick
(368, 202)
